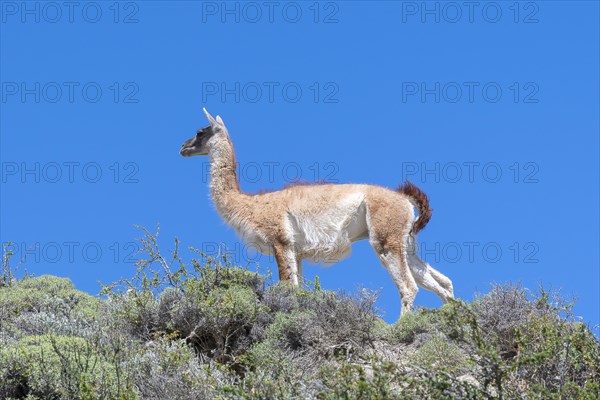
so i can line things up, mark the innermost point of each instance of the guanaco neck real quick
(224, 185)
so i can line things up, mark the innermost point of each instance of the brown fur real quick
(421, 202)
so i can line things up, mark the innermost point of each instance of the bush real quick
(47, 294)
(502, 311)
(554, 356)
(438, 354)
(377, 379)
(326, 323)
(374, 380)
(558, 359)
(58, 367)
(169, 369)
(44, 305)
(223, 323)
(411, 325)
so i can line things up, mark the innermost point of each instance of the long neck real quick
(224, 185)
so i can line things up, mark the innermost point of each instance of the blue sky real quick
(492, 110)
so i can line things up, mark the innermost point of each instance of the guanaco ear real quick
(210, 118)
(219, 120)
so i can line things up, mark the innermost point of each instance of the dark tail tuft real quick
(420, 201)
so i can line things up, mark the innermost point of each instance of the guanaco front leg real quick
(286, 264)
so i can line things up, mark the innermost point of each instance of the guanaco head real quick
(200, 144)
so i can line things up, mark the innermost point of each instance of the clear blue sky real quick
(492, 110)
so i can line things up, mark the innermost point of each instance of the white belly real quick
(327, 235)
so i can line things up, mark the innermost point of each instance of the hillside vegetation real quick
(209, 330)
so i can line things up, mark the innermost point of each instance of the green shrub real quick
(554, 356)
(47, 293)
(374, 380)
(168, 368)
(410, 325)
(440, 354)
(558, 359)
(326, 323)
(502, 311)
(59, 367)
(224, 322)
(274, 354)
(45, 305)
